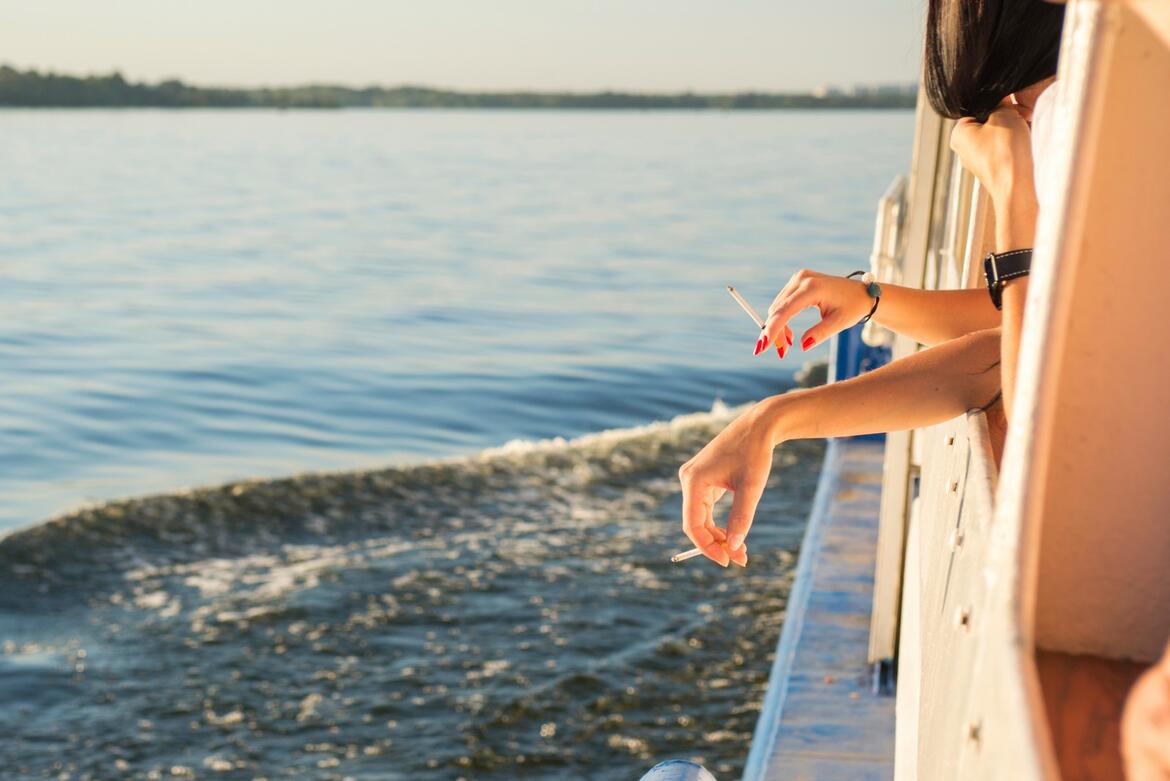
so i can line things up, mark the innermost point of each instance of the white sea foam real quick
(718, 413)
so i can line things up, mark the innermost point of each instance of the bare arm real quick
(1015, 227)
(926, 316)
(919, 390)
(999, 153)
(1015, 293)
(934, 316)
(922, 389)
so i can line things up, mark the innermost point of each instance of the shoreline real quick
(32, 88)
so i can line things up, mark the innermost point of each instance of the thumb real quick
(743, 512)
(821, 332)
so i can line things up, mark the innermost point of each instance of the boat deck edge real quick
(821, 718)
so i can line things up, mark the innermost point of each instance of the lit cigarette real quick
(746, 306)
(692, 553)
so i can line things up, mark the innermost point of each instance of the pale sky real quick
(651, 45)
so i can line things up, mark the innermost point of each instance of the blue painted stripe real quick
(768, 725)
(849, 356)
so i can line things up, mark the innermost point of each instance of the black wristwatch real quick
(1002, 267)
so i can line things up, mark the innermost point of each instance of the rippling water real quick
(199, 297)
(513, 615)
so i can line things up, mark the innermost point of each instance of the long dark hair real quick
(980, 51)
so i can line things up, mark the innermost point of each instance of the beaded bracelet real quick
(871, 287)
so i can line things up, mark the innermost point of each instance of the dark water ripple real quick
(511, 615)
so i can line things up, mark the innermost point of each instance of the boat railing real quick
(1014, 606)
(885, 262)
(1005, 602)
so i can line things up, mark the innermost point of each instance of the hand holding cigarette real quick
(737, 461)
(738, 556)
(762, 342)
(699, 496)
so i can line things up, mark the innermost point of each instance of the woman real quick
(986, 64)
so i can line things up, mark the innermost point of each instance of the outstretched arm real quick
(920, 390)
(926, 316)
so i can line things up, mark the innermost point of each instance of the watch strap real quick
(998, 268)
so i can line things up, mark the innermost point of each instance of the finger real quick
(739, 556)
(720, 541)
(796, 280)
(786, 343)
(801, 298)
(761, 343)
(695, 511)
(697, 506)
(743, 511)
(786, 291)
(820, 332)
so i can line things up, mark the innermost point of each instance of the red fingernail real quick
(807, 343)
(780, 350)
(789, 338)
(759, 346)
(764, 343)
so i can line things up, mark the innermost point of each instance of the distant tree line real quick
(31, 88)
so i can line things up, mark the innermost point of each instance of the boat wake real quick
(508, 615)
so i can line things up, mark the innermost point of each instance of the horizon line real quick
(845, 90)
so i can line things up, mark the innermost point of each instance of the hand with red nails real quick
(781, 348)
(739, 460)
(842, 304)
(924, 388)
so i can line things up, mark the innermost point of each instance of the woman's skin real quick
(926, 316)
(999, 154)
(920, 390)
(1145, 723)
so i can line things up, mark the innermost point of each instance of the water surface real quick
(192, 298)
(198, 296)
